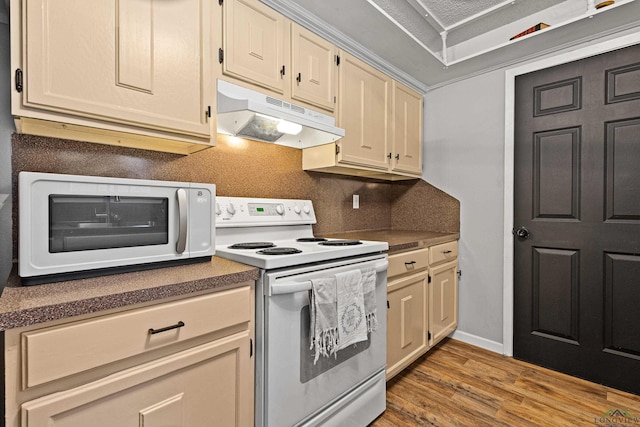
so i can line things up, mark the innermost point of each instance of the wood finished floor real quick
(457, 384)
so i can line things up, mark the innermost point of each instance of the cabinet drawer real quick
(56, 352)
(406, 262)
(443, 252)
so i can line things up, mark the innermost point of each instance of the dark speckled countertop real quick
(28, 305)
(400, 240)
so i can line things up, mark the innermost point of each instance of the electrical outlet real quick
(356, 201)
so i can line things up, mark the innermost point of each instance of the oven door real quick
(292, 390)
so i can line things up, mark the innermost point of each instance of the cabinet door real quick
(209, 385)
(406, 321)
(254, 44)
(443, 301)
(135, 62)
(363, 111)
(314, 68)
(407, 130)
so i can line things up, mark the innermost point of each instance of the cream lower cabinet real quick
(132, 69)
(443, 301)
(407, 296)
(197, 387)
(422, 300)
(406, 321)
(443, 291)
(182, 363)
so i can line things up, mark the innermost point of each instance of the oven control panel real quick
(247, 211)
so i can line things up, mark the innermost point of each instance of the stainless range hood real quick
(249, 114)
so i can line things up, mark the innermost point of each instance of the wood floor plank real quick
(457, 384)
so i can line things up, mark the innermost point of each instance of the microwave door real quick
(81, 223)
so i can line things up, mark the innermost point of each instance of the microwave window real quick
(81, 223)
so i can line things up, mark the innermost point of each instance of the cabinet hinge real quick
(337, 59)
(459, 274)
(220, 55)
(208, 112)
(388, 306)
(250, 347)
(428, 335)
(429, 278)
(19, 80)
(337, 149)
(334, 99)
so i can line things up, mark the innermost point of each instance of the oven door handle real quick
(293, 287)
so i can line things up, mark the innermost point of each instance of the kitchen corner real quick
(212, 298)
(240, 168)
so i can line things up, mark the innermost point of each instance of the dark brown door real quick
(577, 211)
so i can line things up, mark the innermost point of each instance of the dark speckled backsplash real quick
(251, 169)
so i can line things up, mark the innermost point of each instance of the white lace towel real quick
(323, 331)
(337, 308)
(369, 290)
(352, 324)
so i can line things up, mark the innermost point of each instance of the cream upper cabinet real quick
(364, 95)
(406, 147)
(262, 48)
(314, 70)
(383, 124)
(255, 44)
(139, 64)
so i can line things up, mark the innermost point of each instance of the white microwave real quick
(74, 226)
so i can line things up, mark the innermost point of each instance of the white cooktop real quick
(279, 222)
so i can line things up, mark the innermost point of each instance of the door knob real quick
(522, 233)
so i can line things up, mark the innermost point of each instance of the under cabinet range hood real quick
(249, 114)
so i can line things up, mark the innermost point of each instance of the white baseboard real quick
(494, 346)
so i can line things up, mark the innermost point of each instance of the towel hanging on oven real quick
(342, 310)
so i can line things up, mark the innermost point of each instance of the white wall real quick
(464, 133)
(464, 128)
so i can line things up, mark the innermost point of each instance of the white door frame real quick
(510, 75)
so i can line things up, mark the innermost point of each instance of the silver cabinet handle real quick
(292, 287)
(182, 220)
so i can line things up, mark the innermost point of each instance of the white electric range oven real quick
(275, 235)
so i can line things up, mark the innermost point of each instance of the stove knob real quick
(296, 209)
(218, 211)
(306, 209)
(280, 209)
(231, 209)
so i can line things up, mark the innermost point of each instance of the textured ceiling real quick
(462, 20)
(451, 12)
(398, 37)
